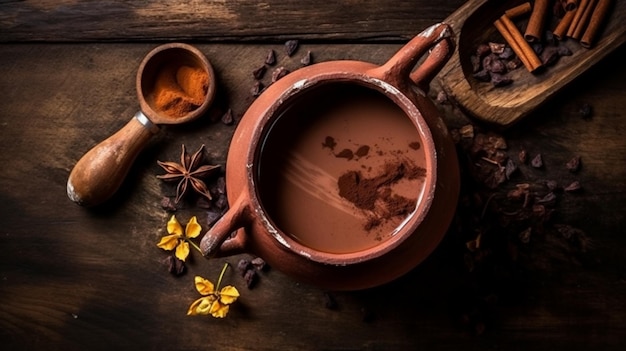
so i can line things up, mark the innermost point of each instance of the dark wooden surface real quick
(79, 279)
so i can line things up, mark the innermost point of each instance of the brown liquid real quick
(340, 130)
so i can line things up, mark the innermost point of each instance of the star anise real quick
(189, 171)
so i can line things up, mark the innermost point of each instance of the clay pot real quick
(254, 229)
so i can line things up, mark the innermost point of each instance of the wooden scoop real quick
(473, 25)
(100, 172)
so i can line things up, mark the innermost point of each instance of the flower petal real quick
(173, 227)
(204, 286)
(182, 250)
(219, 310)
(201, 306)
(228, 294)
(168, 242)
(193, 228)
(193, 308)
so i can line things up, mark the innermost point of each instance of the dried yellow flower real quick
(179, 240)
(213, 301)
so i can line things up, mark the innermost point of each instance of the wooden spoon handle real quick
(101, 171)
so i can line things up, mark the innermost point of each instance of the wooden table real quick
(73, 278)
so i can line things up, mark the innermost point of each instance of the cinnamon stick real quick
(579, 19)
(564, 24)
(570, 5)
(515, 39)
(518, 10)
(578, 14)
(537, 20)
(597, 19)
(584, 20)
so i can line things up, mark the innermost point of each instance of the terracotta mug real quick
(322, 159)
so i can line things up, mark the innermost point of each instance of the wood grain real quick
(249, 20)
(78, 279)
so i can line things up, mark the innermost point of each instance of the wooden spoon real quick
(473, 24)
(101, 171)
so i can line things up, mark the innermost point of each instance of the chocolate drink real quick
(341, 168)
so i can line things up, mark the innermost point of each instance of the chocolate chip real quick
(306, 59)
(270, 59)
(564, 51)
(573, 165)
(550, 55)
(279, 73)
(257, 88)
(522, 156)
(574, 186)
(483, 50)
(537, 161)
(227, 118)
(497, 66)
(259, 264)
(175, 266)
(168, 204)
(507, 53)
(500, 80)
(291, 46)
(251, 277)
(483, 76)
(496, 48)
(243, 266)
(259, 72)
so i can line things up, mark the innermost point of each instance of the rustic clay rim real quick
(411, 223)
(171, 52)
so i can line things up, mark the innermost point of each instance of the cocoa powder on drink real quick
(374, 195)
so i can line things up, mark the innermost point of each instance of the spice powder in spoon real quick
(180, 90)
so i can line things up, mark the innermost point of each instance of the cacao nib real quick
(500, 80)
(259, 72)
(279, 73)
(574, 186)
(483, 50)
(306, 59)
(270, 59)
(537, 161)
(573, 165)
(227, 118)
(291, 46)
(483, 76)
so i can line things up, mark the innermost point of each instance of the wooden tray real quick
(473, 24)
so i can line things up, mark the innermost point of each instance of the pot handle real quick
(217, 241)
(397, 71)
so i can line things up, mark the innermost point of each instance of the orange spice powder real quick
(180, 90)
